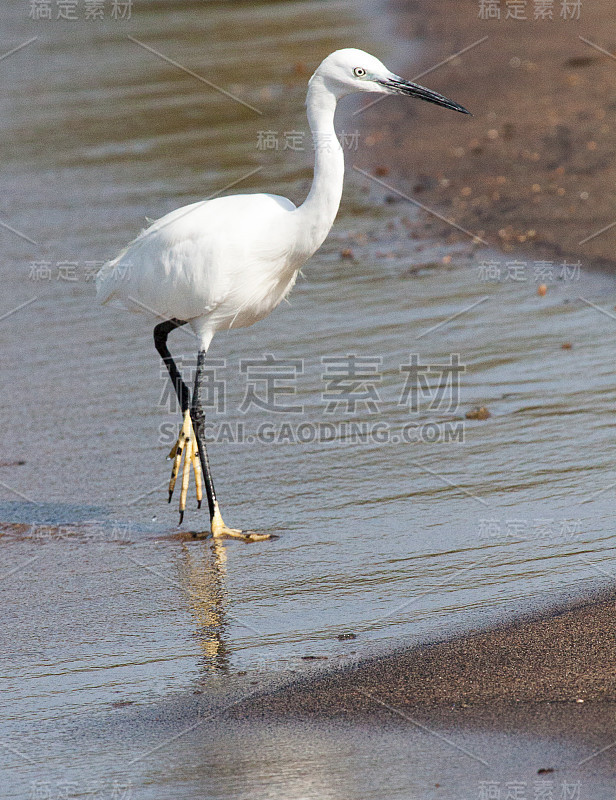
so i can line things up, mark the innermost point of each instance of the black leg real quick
(198, 420)
(161, 332)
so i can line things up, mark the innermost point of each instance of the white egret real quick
(228, 262)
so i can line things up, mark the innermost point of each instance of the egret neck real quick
(317, 213)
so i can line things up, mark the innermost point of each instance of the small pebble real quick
(479, 412)
(542, 289)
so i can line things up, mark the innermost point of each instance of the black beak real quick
(400, 86)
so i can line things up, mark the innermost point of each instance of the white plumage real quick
(220, 263)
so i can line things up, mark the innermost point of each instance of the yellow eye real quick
(359, 72)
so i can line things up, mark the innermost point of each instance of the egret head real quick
(348, 71)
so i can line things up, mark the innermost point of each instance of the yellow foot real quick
(186, 445)
(220, 530)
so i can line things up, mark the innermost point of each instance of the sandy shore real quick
(497, 708)
(567, 656)
(534, 171)
(534, 700)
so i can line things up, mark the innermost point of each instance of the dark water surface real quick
(103, 602)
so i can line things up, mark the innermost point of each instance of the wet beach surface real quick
(534, 170)
(123, 632)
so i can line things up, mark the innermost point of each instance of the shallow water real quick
(393, 541)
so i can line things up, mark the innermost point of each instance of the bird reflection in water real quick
(203, 572)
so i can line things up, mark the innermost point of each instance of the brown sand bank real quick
(535, 168)
(563, 657)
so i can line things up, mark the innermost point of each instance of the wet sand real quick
(529, 704)
(455, 719)
(533, 701)
(564, 657)
(534, 170)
